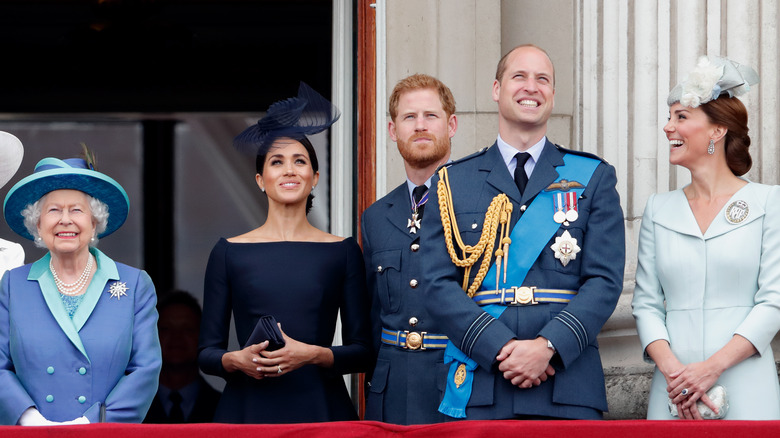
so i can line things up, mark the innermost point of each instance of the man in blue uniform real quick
(404, 388)
(537, 231)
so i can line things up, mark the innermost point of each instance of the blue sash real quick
(534, 229)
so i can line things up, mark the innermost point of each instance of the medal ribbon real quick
(421, 202)
(534, 229)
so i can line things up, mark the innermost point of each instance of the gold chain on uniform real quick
(499, 212)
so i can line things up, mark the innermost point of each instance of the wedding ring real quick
(280, 372)
(683, 392)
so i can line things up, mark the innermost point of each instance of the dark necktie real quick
(418, 194)
(521, 179)
(176, 415)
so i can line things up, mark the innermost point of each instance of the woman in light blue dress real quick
(707, 298)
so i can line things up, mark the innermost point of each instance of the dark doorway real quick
(174, 74)
(156, 56)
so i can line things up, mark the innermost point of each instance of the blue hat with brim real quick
(52, 174)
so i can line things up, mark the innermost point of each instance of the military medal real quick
(565, 248)
(460, 375)
(414, 223)
(118, 290)
(737, 212)
(571, 207)
(559, 216)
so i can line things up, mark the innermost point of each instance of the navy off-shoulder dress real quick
(303, 285)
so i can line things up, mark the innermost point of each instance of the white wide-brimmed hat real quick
(11, 154)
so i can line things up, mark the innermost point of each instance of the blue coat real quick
(577, 390)
(404, 387)
(108, 355)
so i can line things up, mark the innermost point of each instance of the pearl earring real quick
(711, 147)
(262, 189)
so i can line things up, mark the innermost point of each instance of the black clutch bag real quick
(266, 330)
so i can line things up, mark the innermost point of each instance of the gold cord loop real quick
(499, 212)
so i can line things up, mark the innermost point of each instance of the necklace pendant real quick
(413, 224)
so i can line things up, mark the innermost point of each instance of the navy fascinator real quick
(296, 117)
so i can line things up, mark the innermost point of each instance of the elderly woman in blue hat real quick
(707, 297)
(289, 269)
(78, 333)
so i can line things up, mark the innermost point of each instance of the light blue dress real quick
(697, 291)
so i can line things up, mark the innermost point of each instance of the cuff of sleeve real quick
(487, 343)
(568, 335)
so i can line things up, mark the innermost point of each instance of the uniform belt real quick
(414, 340)
(523, 296)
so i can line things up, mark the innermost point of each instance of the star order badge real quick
(413, 224)
(118, 290)
(565, 248)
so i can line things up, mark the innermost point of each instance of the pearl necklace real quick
(72, 289)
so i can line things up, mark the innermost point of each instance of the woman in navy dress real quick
(289, 269)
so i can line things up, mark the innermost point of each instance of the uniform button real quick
(415, 247)
(49, 398)
(523, 208)
(474, 226)
(413, 321)
(82, 371)
(50, 370)
(82, 399)
(413, 283)
(379, 268)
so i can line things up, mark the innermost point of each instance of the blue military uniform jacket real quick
(404, 387)
(577, 390)
(107, 358)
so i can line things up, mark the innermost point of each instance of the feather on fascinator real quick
(711, 78)
(296, 117)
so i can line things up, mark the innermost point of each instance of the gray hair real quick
(32, 214)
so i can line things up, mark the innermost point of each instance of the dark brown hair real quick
(260, 162)
(731, 113)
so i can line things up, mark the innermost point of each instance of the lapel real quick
(675, 214)
(498, 174)
(544, 172)
(756, 210)
(39, 271)
(106, 270)
(398, 210)
(543, 175)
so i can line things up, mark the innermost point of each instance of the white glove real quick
(32, 417)
(80, 420)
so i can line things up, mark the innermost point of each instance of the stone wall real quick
(616, 61)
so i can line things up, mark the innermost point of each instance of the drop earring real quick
(711, 147)
(262, 189)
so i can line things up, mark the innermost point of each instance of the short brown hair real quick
(501, 67)
(420, 81)
(731, 113)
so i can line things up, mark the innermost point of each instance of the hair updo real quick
(731, 113)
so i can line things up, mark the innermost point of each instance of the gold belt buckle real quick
(524, 296)
(414, 340)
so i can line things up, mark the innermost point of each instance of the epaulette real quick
(580, 153)
(466, 158)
